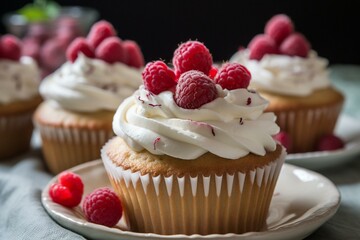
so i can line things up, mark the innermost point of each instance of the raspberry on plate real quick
(68, 191)
(194, 89)
(295, 45)
(192, 55)
(79, 45)
(233, 76)
(100, 31)
(158, 77)
(279, 27)
(102, 206)
(261, 45)
(329, 142)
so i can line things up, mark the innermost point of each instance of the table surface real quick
(22, 179)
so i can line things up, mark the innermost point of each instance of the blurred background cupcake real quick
(19, 81)
(295, 80)
(81, 97)
(47, 29)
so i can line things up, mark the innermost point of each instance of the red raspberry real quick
(134, 56)
(10, 47)
(100, 31)
(295, 45)
(284, 139)
(233, 76)
(52, 54)
(111, 50)
(329, 142)
(261, 45)
(213, 71)
(79, 45)
(158, 77)
(102, 206)
(68, 191)
(31, 47)
(279, 27)
(192, 55)
(194, 89)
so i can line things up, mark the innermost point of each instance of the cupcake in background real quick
(194, 152)
(19, 97)
(82, 95)
(289, 73)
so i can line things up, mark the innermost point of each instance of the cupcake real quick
(295, 80)
(194, 155)
(19, 97)
(82, 95)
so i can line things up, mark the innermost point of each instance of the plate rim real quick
(325, 213)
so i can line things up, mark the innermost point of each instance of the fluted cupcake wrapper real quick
(306, 126)
(64, 148)
(15, 134)
(198, 204)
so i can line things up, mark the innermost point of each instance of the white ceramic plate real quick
(302, 202)
(349, 130)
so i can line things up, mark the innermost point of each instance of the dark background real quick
(332, 26)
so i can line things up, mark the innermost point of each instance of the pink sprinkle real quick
(154, 105)
(248, 101)
(142, 101)
(241, 121)
(206, 125)
(155, 142)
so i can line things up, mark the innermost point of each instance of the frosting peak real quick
(19, 80)
(288, 75)
(231, 126)
(90, 84)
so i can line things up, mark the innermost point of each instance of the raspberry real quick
(52, 54)
(213, 71)
(111, 50)
(233, 76)
(295, 45)
(102, 206)
(329, 142)
(10, 47)
(261, 45)
(192, 55)
(31, 47)
(158, 77)
(68, 191)
(100, 31)
(194, 89)
(134, 55)
(279, 27)
(284, 139)
(79, 45)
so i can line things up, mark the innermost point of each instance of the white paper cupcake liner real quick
(64, 148)
(307, 126)
(199, 204)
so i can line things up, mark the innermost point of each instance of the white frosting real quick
(284, 74)
(19, 80)
(89, 85)
(231, 126)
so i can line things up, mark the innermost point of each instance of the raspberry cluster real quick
(279, 37)
(102, 43)
(193, 79)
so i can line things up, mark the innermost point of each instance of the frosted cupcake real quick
(83, 94)
(194, 155)
(19, 97)
(295, 80)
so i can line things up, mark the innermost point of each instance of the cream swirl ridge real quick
(90, 84)
(19, 80)
(288, 75)
(231, 126)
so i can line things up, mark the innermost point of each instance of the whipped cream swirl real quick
(231, 126)
(19, 80)
(284, 74)
(89, 85)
